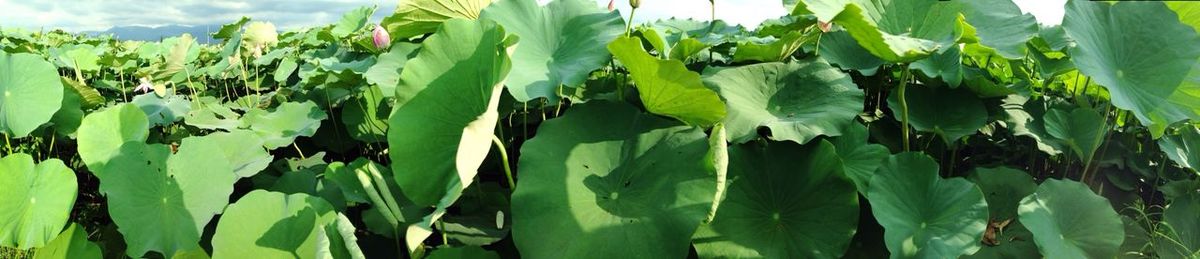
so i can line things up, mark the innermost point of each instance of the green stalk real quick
(7, 144)
(629, 26)
(504, 160)
(904, 104)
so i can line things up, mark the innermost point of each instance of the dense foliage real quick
(484, 129)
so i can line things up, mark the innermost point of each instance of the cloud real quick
(96, 15)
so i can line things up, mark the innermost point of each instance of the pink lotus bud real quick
(610, 5)
(381, 37)
(145, 86)
(824, 26)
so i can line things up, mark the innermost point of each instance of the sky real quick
(98, 15)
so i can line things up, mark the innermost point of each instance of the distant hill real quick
(146, 33)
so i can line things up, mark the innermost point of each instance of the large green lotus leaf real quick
(1184, 148)
(1003, 188)
(272, 225)
(1184, 229)
(951, 113)
(785, 201)
(102, 133)
(1141, 66)
(1026, 118)
(417, 17)
(918, 226)
(208, 113)
(667, 87)
(947, 65)
(30, 93)
(441, 128)
(282, 126)
(35, 200)
(606, 181)
(840, 49)
(161, 202)
(366, 115)
(243, 150)
(163, 111)
(1068, 220)
(796, 101)
(561, 43)
(70, 244)
(778, 50)
(386, 72)
(88, 96)
(1082, 130)
(859, 158)
(68, 117)
(81, 57)
(899, 31)
(1001, 26)
(352, 21)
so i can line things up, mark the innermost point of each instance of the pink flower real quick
(610, 5)
(145, 86)
(824, 26)
(381, 37)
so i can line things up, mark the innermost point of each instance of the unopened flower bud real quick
(635, 3)
(381, 38)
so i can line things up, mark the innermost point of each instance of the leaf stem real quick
(298, 150)
(904, 104)
(504, 160)
(629, 25)
(7, 144)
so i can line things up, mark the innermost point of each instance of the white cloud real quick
(91, 15)
(1048, 12)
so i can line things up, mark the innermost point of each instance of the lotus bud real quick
(381, 37)
(145, 86)
(824, 26)
(635, 3)
(610, 5)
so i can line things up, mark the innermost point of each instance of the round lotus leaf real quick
(561, 43)
(161, 201)
(35, 200)
(30, 93)
(1184, 228)
(437, 147)
(1001, 26)
(918, 226)
(1003, 188)
(796, 101)
(1081, 129)
(605, 176)
(898, 31)
(1068, 220)
(1184, 148)
(281, 127)
(163, 111)
(366, 116)
(1141, 66)
(70, 244)
(950, 113)
(272, 225)
(667, 87)
(859, 158)
(784, 201)
(102, 133)
(243, 150)
(417, 17)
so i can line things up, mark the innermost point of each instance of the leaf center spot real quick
(1120, 73)
(775, 216)
(7, 93)
(32, 200)
(613, 195)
